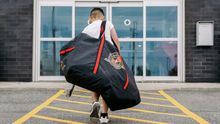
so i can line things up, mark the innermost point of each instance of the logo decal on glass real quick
(127, 22)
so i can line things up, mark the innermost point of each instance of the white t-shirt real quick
(93, 30)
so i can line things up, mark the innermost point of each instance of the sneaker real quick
(95, 110)
(104, 119)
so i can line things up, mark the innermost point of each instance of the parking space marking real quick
(160, 113)
(85, 91)
(184, 109)
(112, 116)
(71, 101)
(131, 109)
(38, 108)
(150, 93)
(164, 97)
(82, 96)
(161, 105)
(144, 97)
(56, 119)
(154, 98)
(142, 92)
(145, 103)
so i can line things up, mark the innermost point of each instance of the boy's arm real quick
(115, 38)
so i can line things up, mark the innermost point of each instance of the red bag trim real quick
(102, 35)
(62, 52)
(99, 55)
(126, 82)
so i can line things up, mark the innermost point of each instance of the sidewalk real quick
(141, 86)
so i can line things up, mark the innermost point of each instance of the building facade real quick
(157, 37)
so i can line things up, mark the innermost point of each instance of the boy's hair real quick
(96, 9)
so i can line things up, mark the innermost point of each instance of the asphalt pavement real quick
(51, 106)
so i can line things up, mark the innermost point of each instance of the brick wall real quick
(16, 22)
(202, 63)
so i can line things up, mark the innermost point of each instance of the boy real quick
(93, 29)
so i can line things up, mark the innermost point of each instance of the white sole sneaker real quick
(104, 120)
(95, 110)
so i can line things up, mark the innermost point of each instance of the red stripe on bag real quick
(126, 82)
(66, 50)
(99, 55)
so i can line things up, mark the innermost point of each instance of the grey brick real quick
(202, 63)
(16, 25)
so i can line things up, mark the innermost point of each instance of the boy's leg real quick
(104, 107)
(104, 119)
(95, 105)
(95, 97)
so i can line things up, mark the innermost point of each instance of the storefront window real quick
(148, 35)
(132, 53)
(161, 22)
(128, 21)
(161, 54)
(161, 58)
(56, 25)
(56, 21)
(50, 58)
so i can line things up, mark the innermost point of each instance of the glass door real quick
(127, 18)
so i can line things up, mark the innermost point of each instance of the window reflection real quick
(56, 21)
(161, 58)
(128, 21)
(50, 58)
(132, 53)
(162, 21)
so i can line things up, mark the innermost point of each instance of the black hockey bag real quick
(96, 65)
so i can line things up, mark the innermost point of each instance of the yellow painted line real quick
(160, 113)
(137, 120)
(112, 116)
(82, 96)
(142, 92)
(145, 103)
(161, 105)
(131, 109)
(38, 108)
(154, 98)
(150, 93)
(184, 109)
(86, 103)
(56, 119)
(67, 110)
(85, 91)
(70, 101)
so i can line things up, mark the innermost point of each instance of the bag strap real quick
(101, 45)
(102, 29)
(115, 46)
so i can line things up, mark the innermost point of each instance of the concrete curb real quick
(141, 86)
